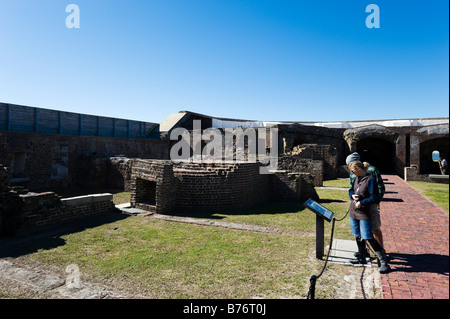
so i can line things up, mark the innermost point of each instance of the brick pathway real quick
(416, 239)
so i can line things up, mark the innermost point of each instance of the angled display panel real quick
(319, 209)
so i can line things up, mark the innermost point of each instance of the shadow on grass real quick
(268, 208)
(329, 201)
(51, 238)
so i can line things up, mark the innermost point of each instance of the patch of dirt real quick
(22, 278)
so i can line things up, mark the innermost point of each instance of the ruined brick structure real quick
(46, 149)
(405, 151)
(163, 187)
(399, 147)
(153, 186)
(40, 211)
(23, 212)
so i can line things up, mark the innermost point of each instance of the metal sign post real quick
(320, 237)
(321, 214)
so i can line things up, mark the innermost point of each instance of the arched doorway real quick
(378, 152)
(427, 166)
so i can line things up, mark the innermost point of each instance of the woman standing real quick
(364, 197)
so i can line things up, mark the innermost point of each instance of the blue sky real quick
(260, 59)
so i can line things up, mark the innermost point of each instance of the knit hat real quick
(352, 157)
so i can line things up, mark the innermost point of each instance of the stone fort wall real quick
(48, 149)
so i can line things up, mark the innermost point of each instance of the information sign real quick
(319, 210)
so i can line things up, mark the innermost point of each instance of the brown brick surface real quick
(416, 239)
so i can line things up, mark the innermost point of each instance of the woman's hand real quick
(356, 199)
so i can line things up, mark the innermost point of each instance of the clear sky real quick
(260, 59)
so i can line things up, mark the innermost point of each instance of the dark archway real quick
(378, 152)
(427, 166)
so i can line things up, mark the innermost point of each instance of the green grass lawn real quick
(158, 259)
(152, 258)
(438, 193)
(341, 182)
(121, 198)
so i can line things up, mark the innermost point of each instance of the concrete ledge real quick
(87, 199)
(101, 197)
(127, 209)
(437, 176)
(79, 200)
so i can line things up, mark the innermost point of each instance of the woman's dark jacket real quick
(367, 189)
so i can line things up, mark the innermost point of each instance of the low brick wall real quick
(76, 207)
(291, 187)
(34, 212)
(296, 164)
(159, 172)
(413, 174)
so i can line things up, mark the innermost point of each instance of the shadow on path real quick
(431, 263)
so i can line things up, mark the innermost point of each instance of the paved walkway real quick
(416, 239)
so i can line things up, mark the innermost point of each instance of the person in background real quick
(443, 166)
(375, 214)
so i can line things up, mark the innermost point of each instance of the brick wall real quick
(287, 186)
(297, 164)
(212, 187)
(220, 187)
(412, 147)
(328, 154)
(46, 161)
(161, 174)
(33, 212)
(412, 174)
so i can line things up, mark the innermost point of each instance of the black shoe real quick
(361, 254)
(357, 253)
(383, 265)
(358, 260)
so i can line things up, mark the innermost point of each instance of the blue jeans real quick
(361, 228)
